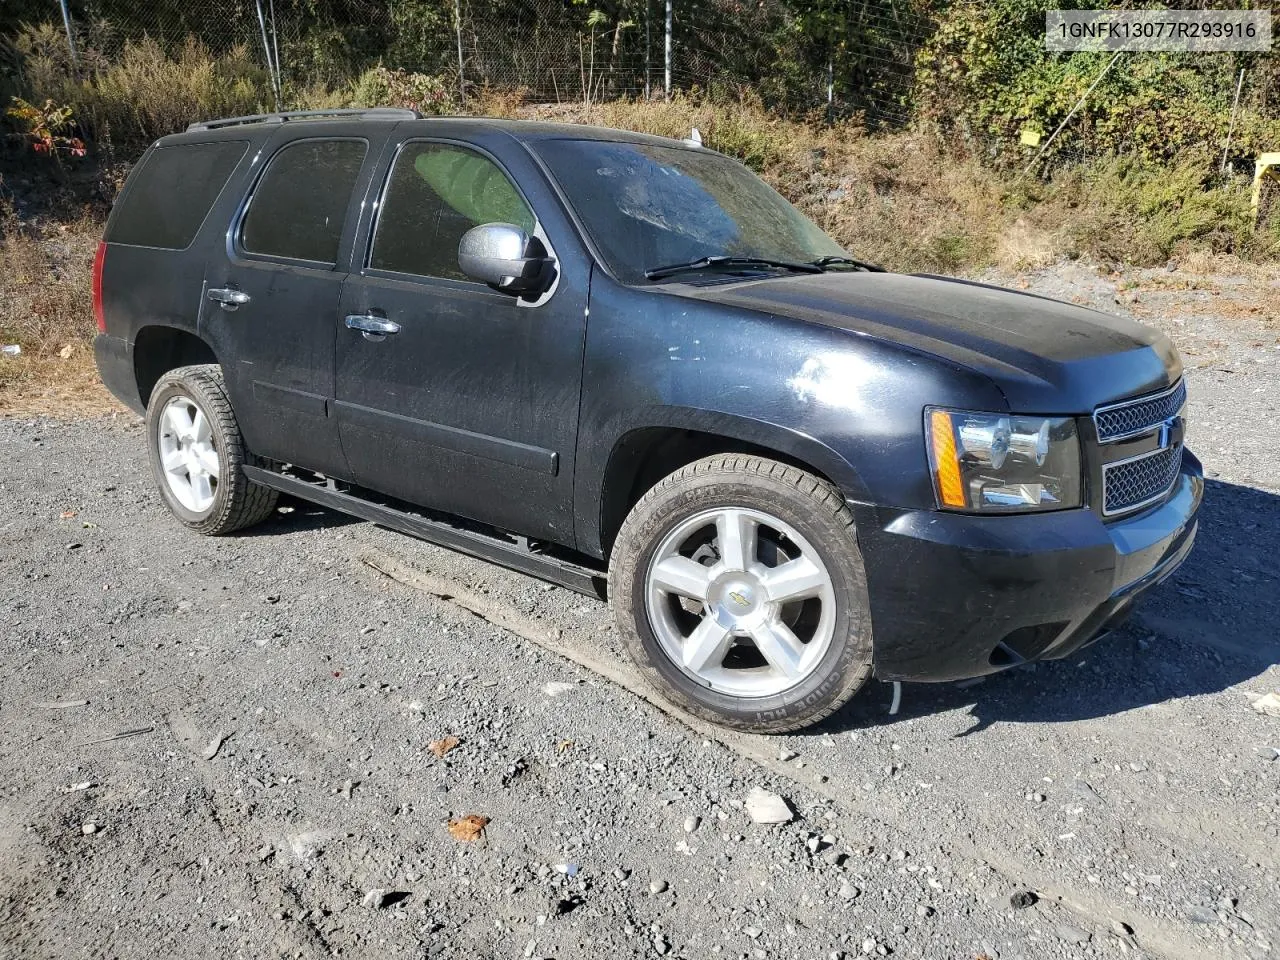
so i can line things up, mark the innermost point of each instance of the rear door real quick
(270, 298)
(471, 406)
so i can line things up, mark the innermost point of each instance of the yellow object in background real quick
(1030, 137)
(1267, 164)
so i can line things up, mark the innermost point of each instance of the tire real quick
(227, 500)
(672, 631)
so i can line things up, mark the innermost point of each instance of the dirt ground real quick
(221, 748)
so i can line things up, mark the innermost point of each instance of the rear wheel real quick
(197, 454)
(739, 590)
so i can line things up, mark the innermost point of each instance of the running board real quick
(509, 551)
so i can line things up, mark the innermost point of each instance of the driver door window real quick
(435, 193)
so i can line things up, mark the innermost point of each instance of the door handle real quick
(373, 328)
(228, 298)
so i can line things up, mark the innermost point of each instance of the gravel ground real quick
(276, 794)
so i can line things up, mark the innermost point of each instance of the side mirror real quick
(505, 257)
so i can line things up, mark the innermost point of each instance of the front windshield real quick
(651, 206)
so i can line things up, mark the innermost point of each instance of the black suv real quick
(593, 355)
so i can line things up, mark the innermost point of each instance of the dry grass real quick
(46, 309)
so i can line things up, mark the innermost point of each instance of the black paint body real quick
(531, 418)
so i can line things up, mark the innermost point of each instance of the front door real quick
(270, 300)
(470, 404)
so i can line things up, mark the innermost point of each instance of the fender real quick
(589, 493)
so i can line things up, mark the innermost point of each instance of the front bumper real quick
(956, 595)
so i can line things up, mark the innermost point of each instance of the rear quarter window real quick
(171, 193)
(299, 208)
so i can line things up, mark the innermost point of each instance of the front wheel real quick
(738, 588)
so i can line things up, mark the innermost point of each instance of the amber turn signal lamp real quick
(946, 464)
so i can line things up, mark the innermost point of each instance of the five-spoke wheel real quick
(741, 601)
(188, 454)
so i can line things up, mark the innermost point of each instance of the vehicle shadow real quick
(1211, 626)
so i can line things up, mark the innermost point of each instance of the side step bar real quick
(506, 550)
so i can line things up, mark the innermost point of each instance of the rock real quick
(375, 899)
(834, 857)
(1070, 934)
(765, 807)
(814, 843)
(621, 874)
(657, 887)
(869, 946)
(1023, 899)
(786, 755)
(1201, 915)
(554, 688)
(691, 824)
(1268, 705)
(848, 891)
(752, 933)
(1121, 929)
(924, 910)
(660, 945)
(89, 829)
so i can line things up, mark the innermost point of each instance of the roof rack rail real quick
(361, 113)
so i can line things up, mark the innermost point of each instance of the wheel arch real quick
(158, 348)
(645, 453)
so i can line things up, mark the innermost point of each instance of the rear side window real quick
(436, 193)
(300, 205)
(171, 193)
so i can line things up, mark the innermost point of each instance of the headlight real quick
(1000, 463)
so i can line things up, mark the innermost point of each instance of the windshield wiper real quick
(723, 261)
(823, 262)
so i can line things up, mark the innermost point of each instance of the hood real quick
(1045, 355)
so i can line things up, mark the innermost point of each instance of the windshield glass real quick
(651, 206)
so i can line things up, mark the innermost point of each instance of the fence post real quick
(1231, 127)
(266, 52)
(71, 40)
(457, 26)
(647, 65)
(666, 83)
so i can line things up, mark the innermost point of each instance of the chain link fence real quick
(555, 50)
(838, 58)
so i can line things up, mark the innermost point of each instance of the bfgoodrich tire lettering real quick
(231, 500)
(798, 515)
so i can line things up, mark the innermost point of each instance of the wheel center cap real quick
(734, 601)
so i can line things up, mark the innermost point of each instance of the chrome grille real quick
(1127, 419)
(1138, 481)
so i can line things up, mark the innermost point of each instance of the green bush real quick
(144, 92)
(380, 87)
(985, 75)
(1128, 210)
